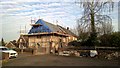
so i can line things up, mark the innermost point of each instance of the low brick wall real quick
(5, 56)
(109, 54)
(29, 50)
(24, 50)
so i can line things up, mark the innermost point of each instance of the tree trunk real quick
(92, 23)
(93, 31)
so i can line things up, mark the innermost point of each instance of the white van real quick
(12, 53)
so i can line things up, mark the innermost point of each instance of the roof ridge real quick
(48, 22)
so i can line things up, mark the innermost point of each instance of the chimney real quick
(67, 28)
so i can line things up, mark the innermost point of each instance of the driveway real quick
(53, 60)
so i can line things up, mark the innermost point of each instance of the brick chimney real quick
(67, 28)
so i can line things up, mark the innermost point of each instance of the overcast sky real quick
(17, 13)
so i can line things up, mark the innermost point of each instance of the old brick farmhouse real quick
(46, 37)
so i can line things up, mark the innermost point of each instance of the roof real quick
(12, 43)
(49, 27)
(24, 38)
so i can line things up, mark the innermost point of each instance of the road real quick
(53, 60)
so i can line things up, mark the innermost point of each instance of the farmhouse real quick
(46, 37)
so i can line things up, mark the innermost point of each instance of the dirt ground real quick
(27, 59)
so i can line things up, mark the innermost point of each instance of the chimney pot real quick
(67, 28)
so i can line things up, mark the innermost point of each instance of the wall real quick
(48, 43)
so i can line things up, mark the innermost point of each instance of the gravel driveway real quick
(53, 60)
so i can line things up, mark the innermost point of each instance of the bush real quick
(17, 49)
(110, 39)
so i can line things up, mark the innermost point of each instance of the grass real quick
(4, 61)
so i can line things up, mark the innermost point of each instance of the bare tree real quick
(93, 16)
(81, 30)
(107, 28)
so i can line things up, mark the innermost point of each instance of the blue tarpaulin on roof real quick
(43, 28)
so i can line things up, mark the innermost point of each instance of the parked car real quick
(11, 52)
(93, 53)
(65, 53)
(85, 53)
